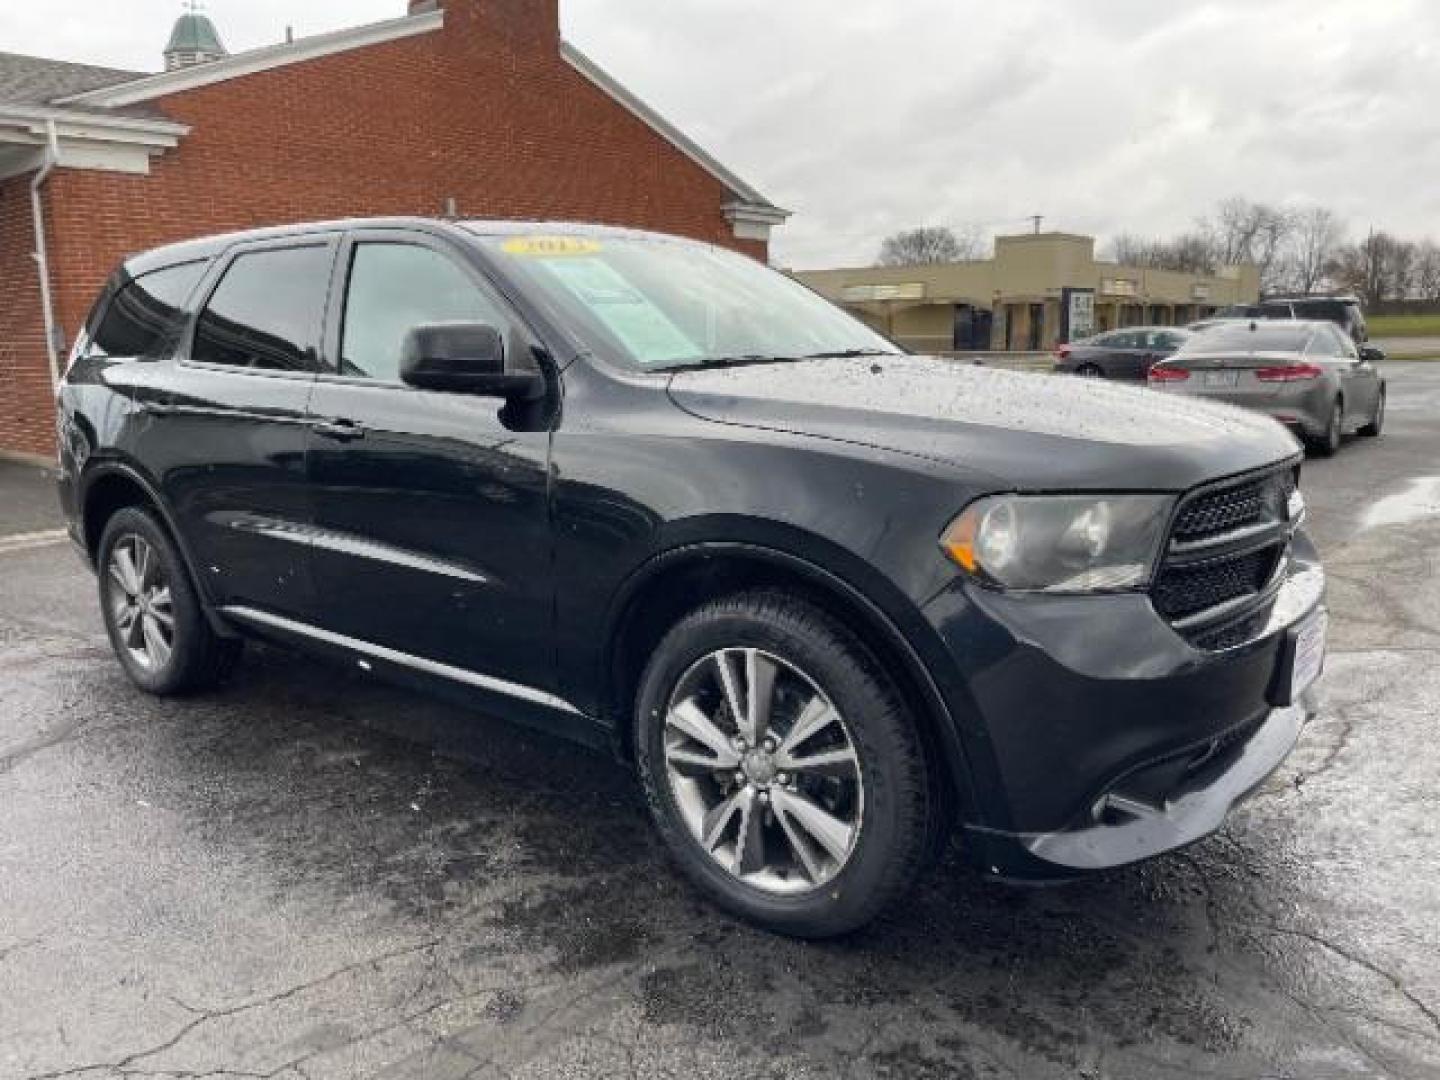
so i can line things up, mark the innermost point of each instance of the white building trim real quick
(85, 140)
(258, 60)
(751, 215)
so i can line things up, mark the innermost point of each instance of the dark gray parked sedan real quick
(1309, 375)
(1120, 354)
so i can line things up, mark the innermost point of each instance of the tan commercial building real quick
(1039, 290)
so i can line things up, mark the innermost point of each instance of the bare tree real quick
(1374, 268)
(928, 245)
(1400, 270)
(1241, 231)
(1427, 270)
(1316, 236)
(1189, 253)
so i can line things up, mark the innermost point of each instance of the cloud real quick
(869, 116)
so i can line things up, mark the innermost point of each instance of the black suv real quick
(1344, 311)
(828, 598)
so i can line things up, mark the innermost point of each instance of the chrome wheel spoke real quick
(118, 576)
(123, 568)
(717, 821)
(803, 849)
(134, 630)
(690, 762)
(144, 563)
(830, 832)
(690, 720)
(841, 761)
(760, 675)
(730, 685)
(162, 607)
(813, 719)
(750, 846)
(156, 646)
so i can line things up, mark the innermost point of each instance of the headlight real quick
(1060, 543)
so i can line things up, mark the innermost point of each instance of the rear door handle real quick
(340, 430)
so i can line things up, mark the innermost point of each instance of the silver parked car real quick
(1120, 354)
(1309, 375)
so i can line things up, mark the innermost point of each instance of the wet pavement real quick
(306, 876)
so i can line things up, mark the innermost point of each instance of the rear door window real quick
(267, 312)
(144, 313)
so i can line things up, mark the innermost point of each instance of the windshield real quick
(1250, 337)
(657, 304)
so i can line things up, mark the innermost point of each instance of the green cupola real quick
(193, 41)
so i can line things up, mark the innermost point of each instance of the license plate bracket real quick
(1301, 660)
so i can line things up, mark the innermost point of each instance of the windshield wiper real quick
(847, 354)
(727, 361)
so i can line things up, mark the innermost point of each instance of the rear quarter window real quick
(1250, 337)
(1333, 310)
(143, 313)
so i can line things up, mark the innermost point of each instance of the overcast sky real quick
(865, 116)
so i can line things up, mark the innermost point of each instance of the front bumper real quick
(1097, 736)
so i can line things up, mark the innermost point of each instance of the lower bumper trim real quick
(1135, 830)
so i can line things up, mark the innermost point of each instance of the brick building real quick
(471, 106)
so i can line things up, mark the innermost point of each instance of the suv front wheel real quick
(781, 766)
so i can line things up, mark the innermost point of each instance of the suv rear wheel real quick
(781, 767)
(151, 612)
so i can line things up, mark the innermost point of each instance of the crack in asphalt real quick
(54, 737)
(1369, 965)
(205, 1016)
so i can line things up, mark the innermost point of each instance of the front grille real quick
(1181, 591)
(1230, 521)
(1229, 635)
(1237, 507)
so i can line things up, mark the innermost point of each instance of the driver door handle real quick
(339, 429)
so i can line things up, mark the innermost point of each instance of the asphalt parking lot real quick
(307, 876)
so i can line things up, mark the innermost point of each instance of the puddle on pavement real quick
(1419, 500)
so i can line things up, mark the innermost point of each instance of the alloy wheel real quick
(141, 607)
(764, 771)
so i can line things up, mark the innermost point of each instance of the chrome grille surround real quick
(1227, 554)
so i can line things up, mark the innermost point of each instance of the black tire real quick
(1090, 371)
(1377, 424)
(198, 658)
(1328, 443)
(901, 820)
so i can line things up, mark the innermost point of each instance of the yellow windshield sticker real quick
(550, 247)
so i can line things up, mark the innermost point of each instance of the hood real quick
(1030, 432)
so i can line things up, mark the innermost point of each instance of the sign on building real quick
(1077, 314)
(1119, 286)
(859, 294)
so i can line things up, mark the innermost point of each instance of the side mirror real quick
(464, 358)
(1372, 354)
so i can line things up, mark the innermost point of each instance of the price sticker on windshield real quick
(550, 247)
